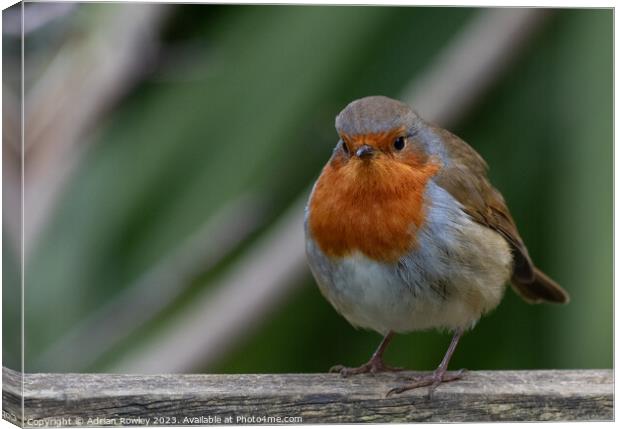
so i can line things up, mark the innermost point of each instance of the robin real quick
(404, 232)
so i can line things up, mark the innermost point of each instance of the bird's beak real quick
(365, 152)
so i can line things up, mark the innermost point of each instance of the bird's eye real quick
(345, 147)
(399, 143)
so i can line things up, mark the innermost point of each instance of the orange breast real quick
(374, 208)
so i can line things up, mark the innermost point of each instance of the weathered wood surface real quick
(108, 399)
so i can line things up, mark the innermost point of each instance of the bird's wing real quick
(466, 180)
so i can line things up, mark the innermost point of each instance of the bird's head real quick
(377, 133)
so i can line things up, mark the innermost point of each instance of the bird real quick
(404, 232)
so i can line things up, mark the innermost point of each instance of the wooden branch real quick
(111, 399)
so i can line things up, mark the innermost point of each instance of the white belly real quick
(456, 273)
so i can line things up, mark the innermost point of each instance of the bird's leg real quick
(374, 365)
(440, 375)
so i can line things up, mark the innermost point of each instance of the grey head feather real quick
(375, 114)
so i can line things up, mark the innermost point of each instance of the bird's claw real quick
(372, 367)
(337, 369)
(432, 380)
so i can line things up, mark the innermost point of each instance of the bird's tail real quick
(542, 289)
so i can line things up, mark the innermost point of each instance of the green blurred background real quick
(224, 117)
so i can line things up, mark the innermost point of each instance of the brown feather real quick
(466, 180)
(541, 289)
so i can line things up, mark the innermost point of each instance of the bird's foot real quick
(432, 380)
(373, 366)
